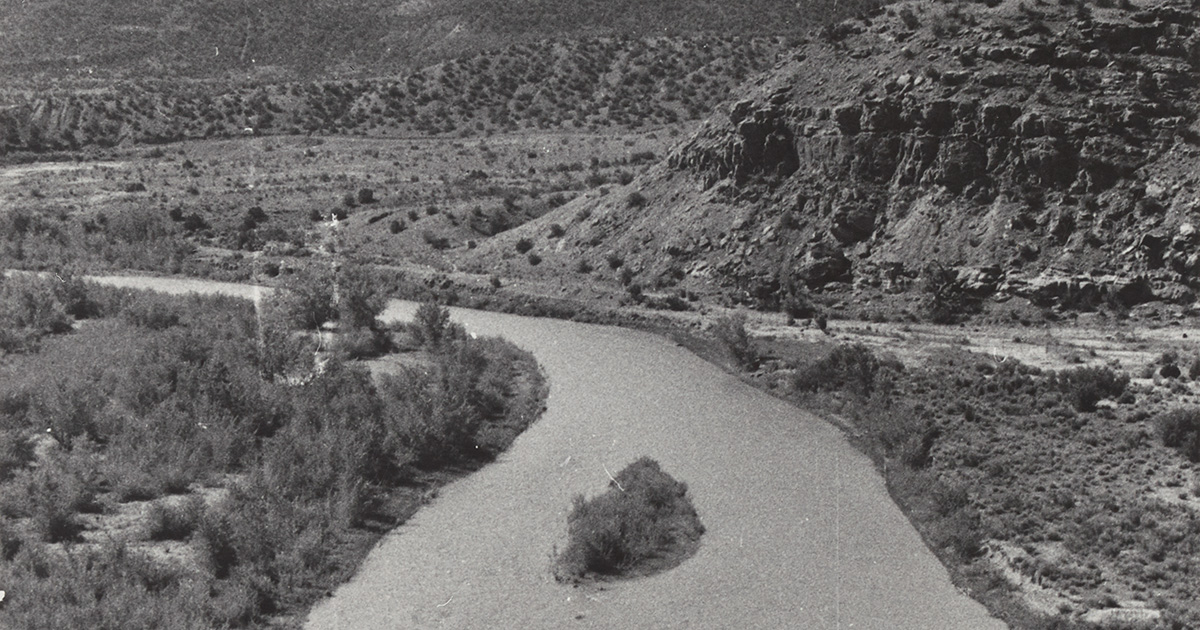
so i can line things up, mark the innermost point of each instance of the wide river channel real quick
(801, 532)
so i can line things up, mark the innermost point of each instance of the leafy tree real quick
(431, 324)
(359, 301)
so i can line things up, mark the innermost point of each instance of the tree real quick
(307, 299)
(358, 299)
(431, 324)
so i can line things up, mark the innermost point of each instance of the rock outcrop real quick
(1057, 140)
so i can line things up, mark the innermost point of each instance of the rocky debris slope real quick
(1047, 151)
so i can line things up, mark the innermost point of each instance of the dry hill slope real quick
(301, 39)
(1042, 151)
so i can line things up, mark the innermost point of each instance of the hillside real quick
(272, 40)
(1047, 152)
(585, 83)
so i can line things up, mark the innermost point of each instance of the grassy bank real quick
(193, 462)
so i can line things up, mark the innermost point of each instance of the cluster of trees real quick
(159, 396)
(133, 238)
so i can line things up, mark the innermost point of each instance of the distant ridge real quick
(272, 40)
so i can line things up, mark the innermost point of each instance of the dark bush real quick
(847, 366)
(1087, 386)
(644, 523)
(171, 519)
(1179, 429)
(556, 230)
(30, 302)
(359, 298)
(431, 324)
(730, 332)
(635, 199)
(524, 245)
(366, 195)
(434, 240)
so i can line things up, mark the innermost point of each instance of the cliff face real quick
(1041, 152)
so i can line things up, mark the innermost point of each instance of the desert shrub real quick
(614, 260)
(31, 303)
(1179, 429)
(306, 299)
(847, 366)
(434, 240)
(359, 343)
(51, 496)
(556, 230)
(109, 587)
(644, 522)
(730, 332)
(524, 245)
(256, 215)
(174, 520)
(70, 409)
(635, 199)
(534, 259)
(396, 226)
(1086, 386)
(366, 195)
(945, 299)
(635, 291)
(16, 452)
(153, 311)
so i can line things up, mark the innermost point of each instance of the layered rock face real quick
(1054, 145)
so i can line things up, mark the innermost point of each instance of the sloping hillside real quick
(1048, 152)
(560, 84)
(300, 39)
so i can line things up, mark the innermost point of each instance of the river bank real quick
(774, 486)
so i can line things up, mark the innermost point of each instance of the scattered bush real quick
(524, 245)
(730, 332)
(635, 199)
(1087, 386)
(644, 523)
(1179, 429)
(847, 366)
(431, 325)
(174, 519)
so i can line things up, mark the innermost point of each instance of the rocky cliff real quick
(1046, 151)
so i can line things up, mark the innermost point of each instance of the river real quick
(800, 530)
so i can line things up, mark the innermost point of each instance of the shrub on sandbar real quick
(644, 523)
